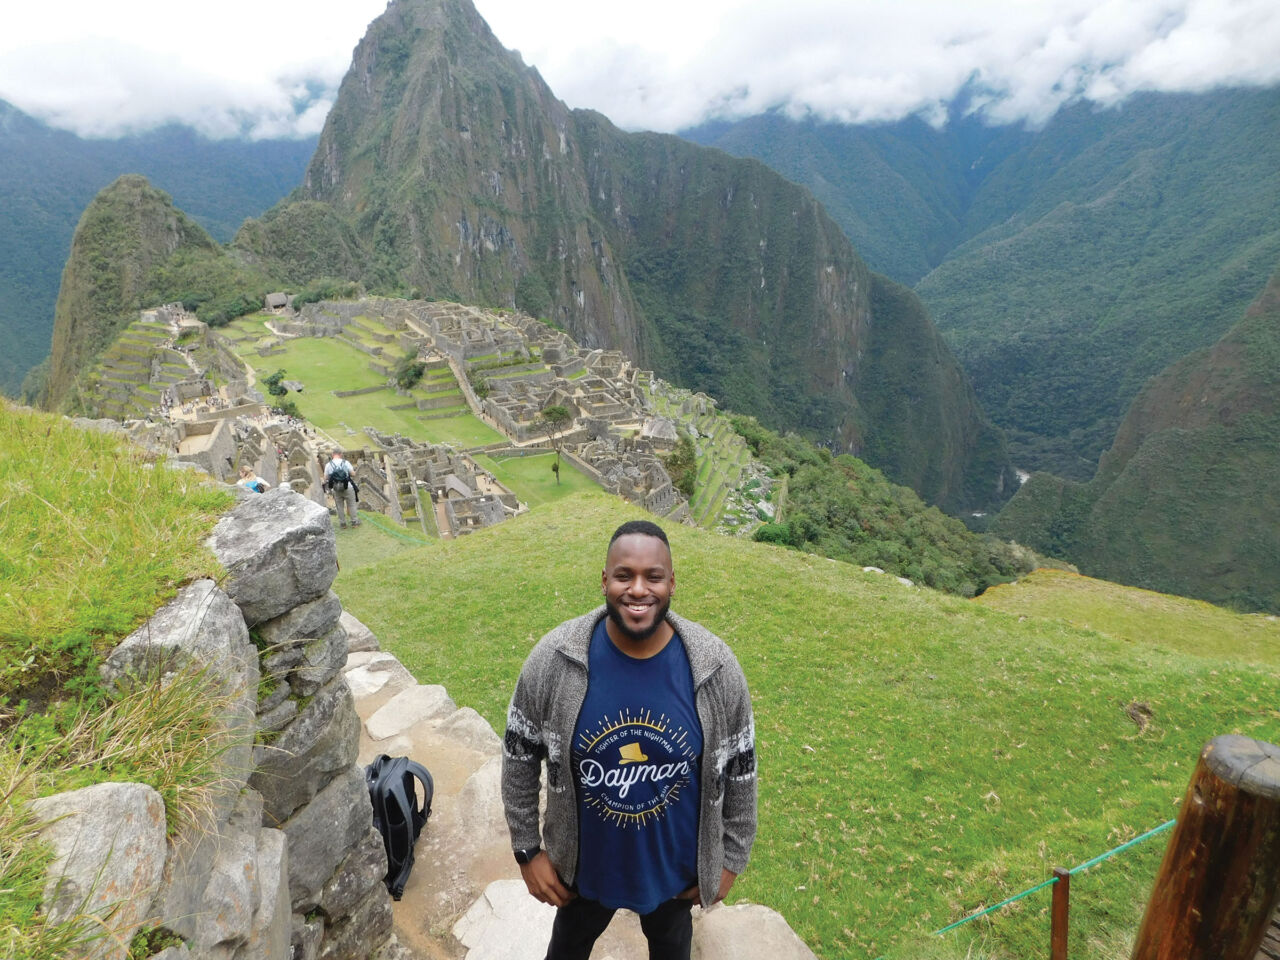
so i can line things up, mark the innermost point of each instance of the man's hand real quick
(543, 881)
(694, 893)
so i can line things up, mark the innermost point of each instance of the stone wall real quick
(285, 863)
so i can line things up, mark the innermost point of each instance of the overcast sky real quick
(271, 67)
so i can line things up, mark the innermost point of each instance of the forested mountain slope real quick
(1068, 264)
(1186, 500)
(48, 176)
(132, 248)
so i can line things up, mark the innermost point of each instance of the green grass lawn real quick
(532, 480)
(1141, 616)
(920, 755)
(324, 365)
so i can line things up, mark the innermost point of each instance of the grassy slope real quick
(920, 755)
(1141, 616)
(95, 538)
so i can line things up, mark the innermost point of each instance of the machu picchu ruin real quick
(196, 394)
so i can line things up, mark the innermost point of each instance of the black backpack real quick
(396, 813)
(339, 478)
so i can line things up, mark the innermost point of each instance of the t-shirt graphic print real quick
(636, 765)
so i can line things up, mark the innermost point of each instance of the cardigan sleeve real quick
(523, 751)
(739, 810)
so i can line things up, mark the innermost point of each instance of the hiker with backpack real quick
(339, 480)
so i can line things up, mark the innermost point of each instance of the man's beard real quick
(637, 636)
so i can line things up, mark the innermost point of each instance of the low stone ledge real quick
(381, 674)
(505, 922)
(409, 707)
(359, 637)
(747, 931)
(467, 728)
(279, 550)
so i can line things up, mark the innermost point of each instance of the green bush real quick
(409, 370)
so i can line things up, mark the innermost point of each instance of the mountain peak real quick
(128, 228)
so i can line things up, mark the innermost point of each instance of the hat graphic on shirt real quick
(630, 753)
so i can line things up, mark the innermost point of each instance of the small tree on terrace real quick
(556, 418)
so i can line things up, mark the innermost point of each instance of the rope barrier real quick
(1052, 880)
(1124, 846)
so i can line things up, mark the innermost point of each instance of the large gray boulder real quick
(320, 742)
(109, 852)
(200, 630)
(322, 658)
(323, 833)
(352, 937)
(355, 877)
(231, 895)
(279, 551)
(270, 934)
(308, 620)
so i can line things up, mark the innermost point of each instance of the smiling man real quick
(643, 721)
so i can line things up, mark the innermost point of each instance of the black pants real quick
(669, 929)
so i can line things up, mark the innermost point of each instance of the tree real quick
(682, 465)
(409, 370)
(273, 384)
(556, 418)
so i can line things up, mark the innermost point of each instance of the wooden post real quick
(1220, 878)
(1061, 907)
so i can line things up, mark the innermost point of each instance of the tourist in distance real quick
(251, 482)
(339, 480)
(644, 722)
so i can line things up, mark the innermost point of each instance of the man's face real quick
(638, 580)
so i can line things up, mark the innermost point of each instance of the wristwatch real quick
(524, 856)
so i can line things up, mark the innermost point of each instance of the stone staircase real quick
(465, 899)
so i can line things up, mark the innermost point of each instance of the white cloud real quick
(272, 69)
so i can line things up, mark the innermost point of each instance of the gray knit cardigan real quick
(540, 723)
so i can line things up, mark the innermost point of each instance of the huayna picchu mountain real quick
(128, 229)
(1186, 499)
(133, 248)
(447, 167)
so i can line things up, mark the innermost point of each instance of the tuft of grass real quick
(921, 756)
(168, 736)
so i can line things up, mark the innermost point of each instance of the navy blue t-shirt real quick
(636, 757)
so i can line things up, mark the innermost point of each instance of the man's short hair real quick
(646, 527)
